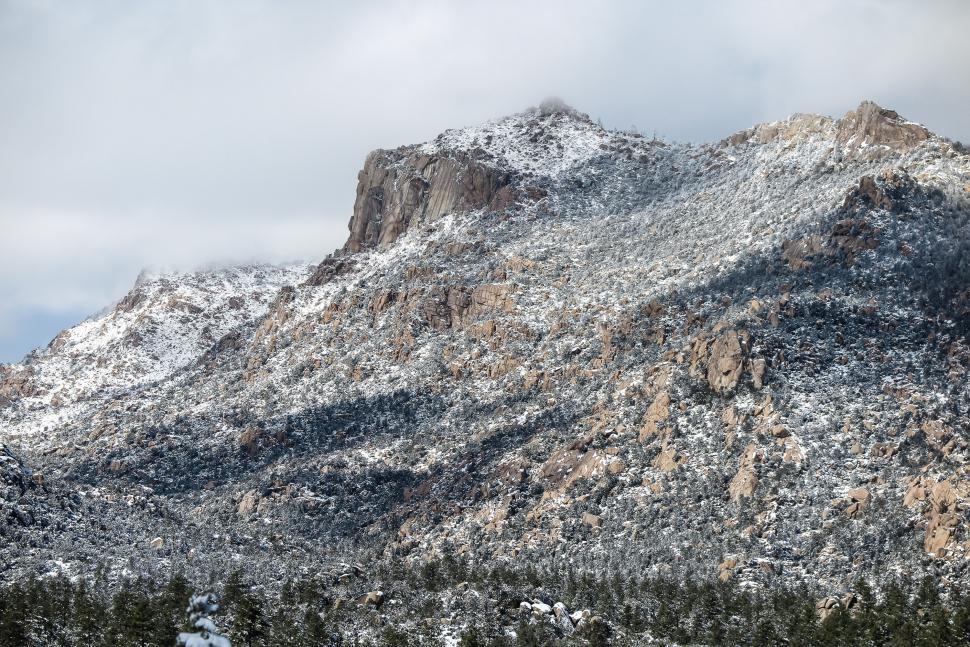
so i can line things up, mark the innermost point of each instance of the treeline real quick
(480, 608)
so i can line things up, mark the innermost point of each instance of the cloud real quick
(186, 132)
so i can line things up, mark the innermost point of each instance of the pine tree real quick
(250, 626)
(199, 610)
(13, 617)
(88, 616)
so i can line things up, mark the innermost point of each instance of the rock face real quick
(400, 189)
(745, 482)
(724, 353)
(870, 132)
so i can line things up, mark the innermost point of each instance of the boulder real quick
(372, 599)
(669, 459)
(726, 360)
(745, 481)
(826, 606)
(720, 357)
(758, 372)
(726, 568)
(560, 610)
(592, 520)
(859, 498)
(248, 503)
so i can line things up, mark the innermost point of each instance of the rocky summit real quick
(543, 343)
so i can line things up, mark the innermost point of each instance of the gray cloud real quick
(182, 133)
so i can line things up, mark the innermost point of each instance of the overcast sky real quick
(178, 134)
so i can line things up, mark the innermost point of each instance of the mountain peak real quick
(490, 166)
(556, 106)
(872, 132)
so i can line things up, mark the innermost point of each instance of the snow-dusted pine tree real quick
(199, 610)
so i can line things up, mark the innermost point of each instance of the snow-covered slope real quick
(554, 343)
(166, 322)
(547, 143)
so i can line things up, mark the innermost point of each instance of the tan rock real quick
(938, 536)
(726, 359)
(659, 409)
(372, 599)
(915, 494)
(400, 189)
(657, 413)
(870, 133)
(592, 520)
(943, 497)
(669, 459)
(745, 481)
(249, 440)
(567, 466)
(758, 367)
(731, 418)
(248, 503)
(616, 467)
(793, 451)
(860, 498)
(726, 568)
(779, 431)
(826, 607)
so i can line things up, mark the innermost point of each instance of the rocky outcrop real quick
(399, 189)
(745, 482)
(329, 269)
(15, 384)
(870, 133)
(722, 357)
(859, 500)
(797, 127)
(446, 307)
(893, 190)
(656, 415)
(372, 599)
(889, 191)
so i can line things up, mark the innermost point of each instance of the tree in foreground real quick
(200, 608)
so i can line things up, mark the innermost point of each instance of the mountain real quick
(545, 342)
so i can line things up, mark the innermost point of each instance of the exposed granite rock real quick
(15, 383)
(867, 133)
(870, 133)
(399, 189)
(329, 269)
(798, 126)
(372, 598)
(745, 481)
(725, 358)
(592, 520)
(860, 498)
(889, 190)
